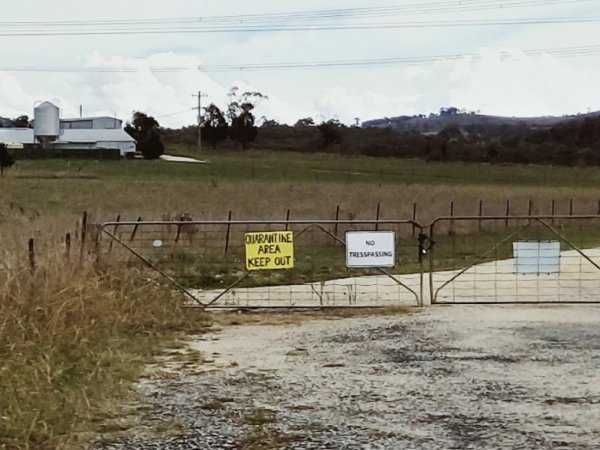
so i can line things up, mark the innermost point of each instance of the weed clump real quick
(72, 340)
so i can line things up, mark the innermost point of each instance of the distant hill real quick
(472, 125)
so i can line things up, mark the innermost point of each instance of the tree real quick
(269, 123)
(242, 127)
(305, 122)
(144, 129)
(330, 132)
(449, 111)
(21, 122)
(6, 160)
(215, 127)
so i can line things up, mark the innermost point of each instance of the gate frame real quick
(433, 293)
(320, 224)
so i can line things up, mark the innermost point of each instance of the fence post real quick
(571, 206)
(529, 209)
(228, 231)
(377, 216)
(414, 218)
(451, 229)
(68, 245)
(337, 217)
(287, 219)
(135, 228)
(110, 245)
(553, 209)
(97, 247)
(31, 252)
(480, 213)
(507, 213)
(84, 219)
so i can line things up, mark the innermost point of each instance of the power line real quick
(400, 61)
(312, 27)
(327, 64)
(422, 7)
(294, 21)
(174, 113)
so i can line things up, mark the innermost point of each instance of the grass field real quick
(258, 184)
(44, 199)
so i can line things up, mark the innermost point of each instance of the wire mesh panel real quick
(212, 263)
(530, 259)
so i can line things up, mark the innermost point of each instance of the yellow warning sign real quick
(270, 250)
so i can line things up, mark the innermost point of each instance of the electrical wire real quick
(175, 113)
(315, 27)
(412, 8)
(294, 21)
(328, 64)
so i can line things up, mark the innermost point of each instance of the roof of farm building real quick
(16, 135)
(25, 135)
(94, 135)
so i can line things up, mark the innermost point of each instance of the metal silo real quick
(46, 124)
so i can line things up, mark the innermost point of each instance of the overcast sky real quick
(497, 74)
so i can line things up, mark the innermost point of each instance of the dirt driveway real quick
(445, 377)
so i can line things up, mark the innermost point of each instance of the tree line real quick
(575, 142)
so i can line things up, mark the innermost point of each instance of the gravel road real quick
(445, 377)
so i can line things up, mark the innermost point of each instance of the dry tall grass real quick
(71, 340)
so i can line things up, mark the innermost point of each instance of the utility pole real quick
(199, 121)
(199, 107)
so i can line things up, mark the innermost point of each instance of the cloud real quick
(13, 97)
(503, 81)
(522, 85)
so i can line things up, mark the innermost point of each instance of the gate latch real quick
(425, 245)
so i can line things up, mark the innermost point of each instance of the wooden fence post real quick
(68, 245)
(135, 228)
(337, 217)
(84, 220)
(110, 245)
(31, 253)
(414, 218)
(451, 229)
(377, 216)
(228, 231)
(571, 206)
(480, 213)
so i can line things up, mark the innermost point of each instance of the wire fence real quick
(478, 258)
(481, 259)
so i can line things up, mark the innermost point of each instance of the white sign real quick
(370, 249)
(536, 257)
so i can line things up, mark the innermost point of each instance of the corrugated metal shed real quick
(94, 135)
(84, 139)
(16, 135)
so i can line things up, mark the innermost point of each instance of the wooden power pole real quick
(199, 95)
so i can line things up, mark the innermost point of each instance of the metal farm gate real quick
(515, 259)
(206, 260)
(483, 259)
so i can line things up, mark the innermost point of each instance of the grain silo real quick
(46, 123)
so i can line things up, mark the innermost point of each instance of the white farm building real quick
(75, 136)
